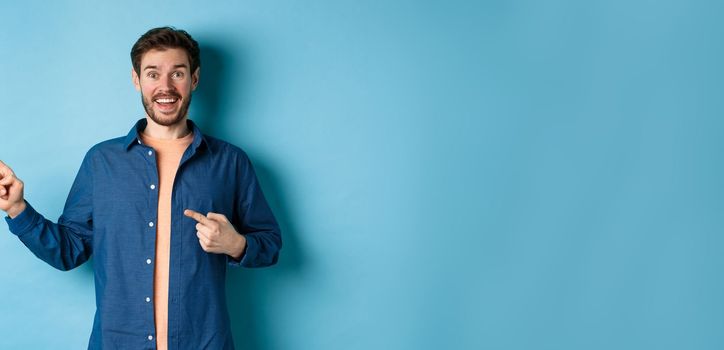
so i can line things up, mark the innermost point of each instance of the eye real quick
(177, 75)
(152, 75)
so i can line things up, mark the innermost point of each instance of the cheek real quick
(147, 93)
(183, 88)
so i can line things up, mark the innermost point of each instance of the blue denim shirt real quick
(108, 214)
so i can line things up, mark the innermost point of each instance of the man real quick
(137, 205)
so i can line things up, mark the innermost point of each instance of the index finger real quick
(197, 216)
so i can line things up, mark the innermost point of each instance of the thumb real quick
(217, 217)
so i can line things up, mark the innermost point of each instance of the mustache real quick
(166, 94)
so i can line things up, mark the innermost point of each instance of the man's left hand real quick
(217, 235)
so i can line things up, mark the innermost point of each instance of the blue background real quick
(447, 174)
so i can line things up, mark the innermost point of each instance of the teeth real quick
(166, 100)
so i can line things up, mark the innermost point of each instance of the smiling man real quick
(163, 210)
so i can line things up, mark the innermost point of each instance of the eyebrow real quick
(175, 66)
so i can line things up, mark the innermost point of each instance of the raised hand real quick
(217, 235)
(11, 192)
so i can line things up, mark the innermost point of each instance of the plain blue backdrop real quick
(447, 174)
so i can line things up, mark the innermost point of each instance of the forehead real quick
(164, 58)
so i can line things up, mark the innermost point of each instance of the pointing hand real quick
(11, 192)
(217, 235)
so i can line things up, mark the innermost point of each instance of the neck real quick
(170, 132)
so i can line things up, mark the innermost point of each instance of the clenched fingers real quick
(7, 179)
(204, 240)
(208, 230)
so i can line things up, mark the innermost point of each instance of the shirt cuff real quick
(22, 223)
(250, 244)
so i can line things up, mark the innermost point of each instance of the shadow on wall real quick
(223, 79)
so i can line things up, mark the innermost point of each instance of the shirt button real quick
(153, 187)
(150, 337)
(148, 300)
(139, 141)
(148, 261)
(150, 153)
(150, 224)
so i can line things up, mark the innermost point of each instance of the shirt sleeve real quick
(255, 221)
(68, 243)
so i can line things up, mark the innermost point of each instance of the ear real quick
(136, 79)
(195, 78)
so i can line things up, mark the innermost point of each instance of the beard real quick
(164, 119)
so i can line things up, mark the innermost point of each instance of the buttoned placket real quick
(151, 247)
(153, 205)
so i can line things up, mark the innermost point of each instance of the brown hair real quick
(163, 38)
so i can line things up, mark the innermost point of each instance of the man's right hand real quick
(11, 192)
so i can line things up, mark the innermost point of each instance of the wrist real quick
(16, 209)
(239, 247)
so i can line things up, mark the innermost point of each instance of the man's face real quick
(166, 83)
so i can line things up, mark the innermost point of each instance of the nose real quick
(165, 83)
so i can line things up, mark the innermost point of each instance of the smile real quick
(165, 104)
(165, 100)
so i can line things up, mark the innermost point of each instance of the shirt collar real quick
(134, 135)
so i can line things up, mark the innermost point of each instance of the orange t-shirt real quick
(168, 157)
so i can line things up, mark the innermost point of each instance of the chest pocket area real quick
(203, 192)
